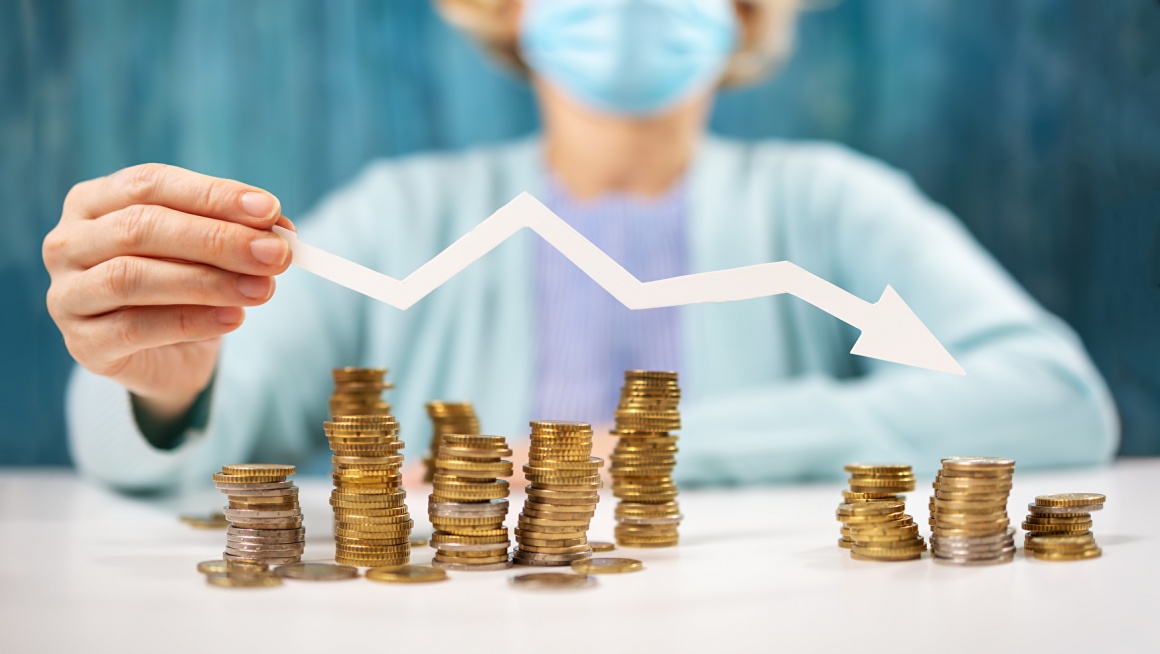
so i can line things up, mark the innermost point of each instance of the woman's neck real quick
(592, 154)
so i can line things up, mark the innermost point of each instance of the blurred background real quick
(1037, 122)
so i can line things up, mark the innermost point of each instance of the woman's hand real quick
(150, 266)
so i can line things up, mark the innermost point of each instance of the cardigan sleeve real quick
(1031, 393)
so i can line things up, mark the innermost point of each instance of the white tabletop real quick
(84, 570)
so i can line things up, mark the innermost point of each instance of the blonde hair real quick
(764, 49)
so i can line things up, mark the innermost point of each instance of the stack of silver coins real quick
(263, 512)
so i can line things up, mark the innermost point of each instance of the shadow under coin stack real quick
(968, 512)
(263, 512)
(1059, 527)
(359, 392)
(468, 505)
(563, 489)
(447, 418)
(862, 471)
(877, 526)
(642, 462)
(371, 523)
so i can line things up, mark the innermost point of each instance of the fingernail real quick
(252, 287)
(258, 205)
(229, 315)
(270, 250)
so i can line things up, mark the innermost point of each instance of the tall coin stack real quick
(873, 515)
(359, 392)
(265, 519)
(862, 471)
(642, 462)
(968, 512)
(371, 524)
(1059, 527)
(468, 506)
(563, 489)
(447, 418)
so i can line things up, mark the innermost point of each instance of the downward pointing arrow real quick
(890, 330)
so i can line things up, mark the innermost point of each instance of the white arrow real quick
(890, 330)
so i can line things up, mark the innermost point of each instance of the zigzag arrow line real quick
(890, 330)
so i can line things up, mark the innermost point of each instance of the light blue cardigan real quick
(771, 392)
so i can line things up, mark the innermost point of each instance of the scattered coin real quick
(406, 574)
(602, 546)
(316, 571)
(606, 566)
(210, 567)
(209, 521)
(243, 579)
(552, 581)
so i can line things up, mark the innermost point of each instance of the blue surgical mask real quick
(629, 57)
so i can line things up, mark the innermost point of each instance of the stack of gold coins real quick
(263, 512)
(873, 515)
(900, 475)
(564, 482)
(468, 506)
(1059, 527)
(642, 462)
(447, 418)
(359, 392)
(371, 524)
(968, 512)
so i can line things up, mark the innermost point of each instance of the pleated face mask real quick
(629, 57)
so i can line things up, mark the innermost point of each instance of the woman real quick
(152, 265)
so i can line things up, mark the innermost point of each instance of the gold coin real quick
(552, 581)
(218, 566)
(606, 566)
(211, 521)
(878, 468)
(1071, 499)
(258, 470)
(253, 479)
(243, 579)
(1067, 556)
(406, 574)
(316, 571)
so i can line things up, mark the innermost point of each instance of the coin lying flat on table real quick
(406, 574)
(243, 579)
(316, 571)
(606, 566)
(210, 567)
(208, 521)
(552, 581)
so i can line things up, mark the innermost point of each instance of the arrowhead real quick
(895, 334)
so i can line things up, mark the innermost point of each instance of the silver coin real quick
(289, 522)
(317, 571)
(552, 581)
(470, 547)
(485, 507)
(974, 553)
(651, 521)
(222, 486)
(520, 556)
(279, 549)
(266, 533)
(504, 565)
(1010, 533)
(446, 513)
(1063, 510)
(252, 541)
(959, 561)
(280, 560)
(249, 514)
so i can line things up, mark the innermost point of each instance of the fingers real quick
(125, 332)
(160, 232)
(140, 281)
(176, 188)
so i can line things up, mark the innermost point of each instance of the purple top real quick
(587, 339)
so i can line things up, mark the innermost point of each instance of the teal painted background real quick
(1035, 121)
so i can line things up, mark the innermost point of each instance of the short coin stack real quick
(371, 523)
(447, 418)
(642, 462)
(564, 482)
(1059, 527)
(968, 512)
(469, 505)
(265, 519)
(359, 392)
(903, 477)
(874, 522)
